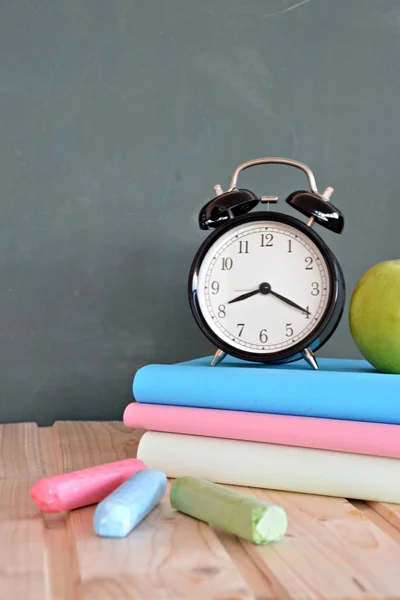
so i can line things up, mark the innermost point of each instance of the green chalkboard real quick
(117, 118)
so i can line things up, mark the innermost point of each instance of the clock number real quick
(308, 312)
(221, 311)
(263, 336)
(290, 245)
(289, 330)
(315, 288)
(241, 327)
(266, 240)
(215, 287)
(243, 247)
(309, 262)
(227, 264)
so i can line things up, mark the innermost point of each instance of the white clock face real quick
(282, 272)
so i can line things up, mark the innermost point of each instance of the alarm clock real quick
(265, 287)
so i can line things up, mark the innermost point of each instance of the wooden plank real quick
(331, 550)
(168, 556)
(22, 563)
(19, 447)
(390, 512)
(19, 467)
(85, 444)
(60, 551)
(380, 521)
(257, 581)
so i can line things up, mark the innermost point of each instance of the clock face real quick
(263, 287)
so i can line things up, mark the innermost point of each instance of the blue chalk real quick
(128, 505)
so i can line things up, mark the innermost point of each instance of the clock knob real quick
(318, 208)
(226, 205)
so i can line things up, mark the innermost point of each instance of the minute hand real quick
(289, 302)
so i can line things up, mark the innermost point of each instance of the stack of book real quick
(334, 432)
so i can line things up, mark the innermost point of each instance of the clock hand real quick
(289, 302)
(244, 296)
(264, 288)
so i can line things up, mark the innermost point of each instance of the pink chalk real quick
(81, 488)
(357, 437)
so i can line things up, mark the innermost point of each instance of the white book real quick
(271, 466)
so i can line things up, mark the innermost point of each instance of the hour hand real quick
(244, 296)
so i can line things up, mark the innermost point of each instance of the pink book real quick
(357, 437)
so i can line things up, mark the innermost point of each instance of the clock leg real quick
(217, 358)
(310, 358)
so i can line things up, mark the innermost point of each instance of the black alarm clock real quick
(265, 287)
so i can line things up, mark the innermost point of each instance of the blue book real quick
(340, 389)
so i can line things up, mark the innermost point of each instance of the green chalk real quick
(244, 516)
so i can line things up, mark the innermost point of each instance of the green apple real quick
(374, 316)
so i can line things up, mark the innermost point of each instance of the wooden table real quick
(333, 548)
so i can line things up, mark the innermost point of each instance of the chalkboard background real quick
(117, 118)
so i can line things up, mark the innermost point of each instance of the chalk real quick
(119, 513)
(234, 512)
(84, 487)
